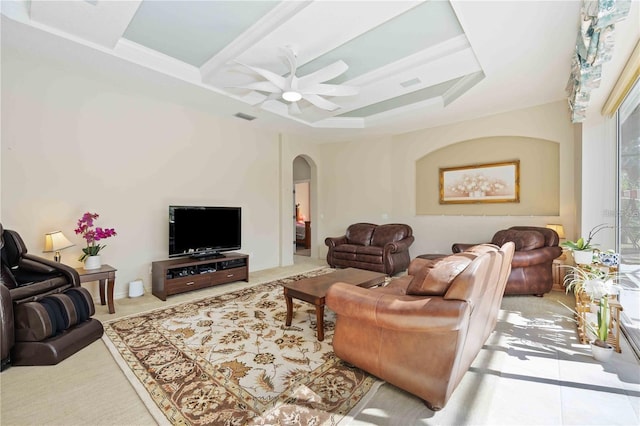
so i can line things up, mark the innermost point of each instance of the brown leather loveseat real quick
(531, 268)
(423, 330)
(380, 248)
(45, 315)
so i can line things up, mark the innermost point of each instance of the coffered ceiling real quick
(411, 64)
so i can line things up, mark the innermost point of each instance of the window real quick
(628, 218)
(624, 101)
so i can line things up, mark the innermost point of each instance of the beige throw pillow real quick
(438, 277)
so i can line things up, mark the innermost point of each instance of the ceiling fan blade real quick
(254, 98)
(274, 96)
(276, 79)
(274, 106)
(321, 102)
(263, 86)
(294, 109)
(323, 74)
(261, 98)
(291, 59)
(330, 90)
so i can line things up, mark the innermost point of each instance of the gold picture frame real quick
(481, 183)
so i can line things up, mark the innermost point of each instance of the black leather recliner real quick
(45, 315)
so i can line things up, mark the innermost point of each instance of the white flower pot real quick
(92, 262)
(601, 354)
(583, 257)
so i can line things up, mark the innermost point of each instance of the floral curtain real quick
(594, 46)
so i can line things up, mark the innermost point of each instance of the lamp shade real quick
(558, 228)
(54, 241)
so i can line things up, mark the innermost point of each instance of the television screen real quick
(200, 231)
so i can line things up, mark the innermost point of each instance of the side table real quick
(559, 271)
(104, 274)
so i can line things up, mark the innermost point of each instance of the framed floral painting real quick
(481, 183)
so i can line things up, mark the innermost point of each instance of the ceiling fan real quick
(292, 88)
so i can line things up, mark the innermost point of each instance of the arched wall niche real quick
(539, 176)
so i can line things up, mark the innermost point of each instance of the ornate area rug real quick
(230, 360)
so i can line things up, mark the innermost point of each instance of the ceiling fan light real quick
(291, 96)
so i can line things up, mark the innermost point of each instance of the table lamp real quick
(56, 241)
(558, 228)
(560, 231)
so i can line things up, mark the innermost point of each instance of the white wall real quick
(301, 170)
(374, 180)
(302, 200)
(357, 184)
(598, 191)
(598, 139)
(75, 141)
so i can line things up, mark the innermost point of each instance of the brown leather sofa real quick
(531, 268)
(423, 330)
(45, 315)
(380, 248)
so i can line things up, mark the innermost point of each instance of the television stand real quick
(175, 276)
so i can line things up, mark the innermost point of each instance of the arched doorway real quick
(300, 168)
(302, 206)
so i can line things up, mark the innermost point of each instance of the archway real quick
(302, 206)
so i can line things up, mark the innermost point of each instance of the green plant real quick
(581, 244)
(597, 284)
(580, 278)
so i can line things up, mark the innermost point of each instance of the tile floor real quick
(531, 371)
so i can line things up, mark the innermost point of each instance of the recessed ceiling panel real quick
(101, 22)
(399, 101)
(193, 31)
(407, 59)
(420, 28)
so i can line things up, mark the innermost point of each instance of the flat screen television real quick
(204, 232)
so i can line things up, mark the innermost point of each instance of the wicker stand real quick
(583, 307)
(614, 324)
(583, 310)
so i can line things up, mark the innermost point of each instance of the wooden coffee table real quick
(314, 290)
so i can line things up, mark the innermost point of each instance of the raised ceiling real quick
(414, 63)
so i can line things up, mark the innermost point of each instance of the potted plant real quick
(583, 249)
(592, 285)
(90, 254)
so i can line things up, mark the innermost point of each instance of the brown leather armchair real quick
(380, 248)
(45, 315)
(531, 268)
(423, 330)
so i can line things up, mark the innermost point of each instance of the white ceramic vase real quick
(601, 354)
(583, 257)
(92, 262)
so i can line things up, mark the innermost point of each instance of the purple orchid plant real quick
(91, 235)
